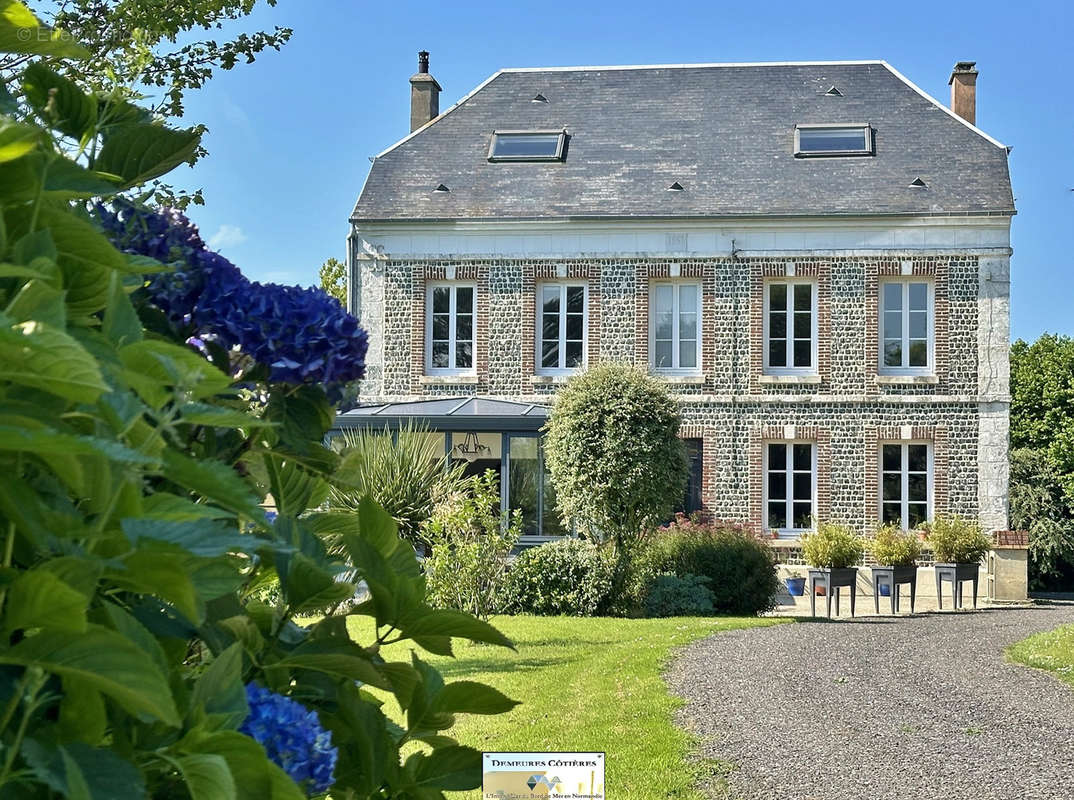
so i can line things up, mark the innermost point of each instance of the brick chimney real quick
(424, 94)
(964, 91)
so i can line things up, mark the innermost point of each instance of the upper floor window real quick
(906, 312)
(674, 330)
(790, 471)
(833, 140)
(527, 146)
(561, 327)
(905, 484)
(449, 328)
(790, 327)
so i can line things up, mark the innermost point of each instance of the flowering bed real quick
(150, 399)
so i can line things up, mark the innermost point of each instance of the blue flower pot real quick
(795, 586)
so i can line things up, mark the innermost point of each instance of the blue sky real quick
(291, 135)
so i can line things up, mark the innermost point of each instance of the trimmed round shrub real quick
(738, 567)
(571, 577)
(956, 540)
(678, 596)
(833, 546)
(893, 547)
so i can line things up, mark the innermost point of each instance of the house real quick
(814, 256)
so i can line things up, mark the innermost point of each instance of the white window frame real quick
(930, 328)
(793, 533)
(691, 371)
(539, 327)
(862, 126)
(790, 283)
(452, 341)
(904, 511)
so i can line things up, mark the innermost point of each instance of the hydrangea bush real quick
(136, 659)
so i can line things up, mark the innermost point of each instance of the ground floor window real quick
(790, 470)
(905, 484)
(695, 459)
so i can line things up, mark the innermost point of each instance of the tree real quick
(334, 279)
(1042, 401)
(614, 455)
(1039, 505)
(129, 43)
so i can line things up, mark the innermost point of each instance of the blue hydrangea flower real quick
(301, 335)
(293, 738)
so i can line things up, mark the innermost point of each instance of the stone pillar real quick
(1008, 562)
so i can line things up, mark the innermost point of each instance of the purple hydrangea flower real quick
(293, 738)
(301, 335)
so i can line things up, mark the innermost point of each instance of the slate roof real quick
(725, 132)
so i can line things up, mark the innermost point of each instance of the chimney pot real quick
(424, 94)
(964, 90)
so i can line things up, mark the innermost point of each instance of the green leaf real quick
(58, 101)
(67, 179)
(79, 572)
(219, 417)
(214, 480)
(121, 323)
(448, 622)
(293, 488)
(41, 440)
(106, 661)
(34, 245)
(83, 716)
(138, 152)
(451, 769)
(43, 357)
(207, 777)
(308, 586)
(39, 599)
(470, 697)
(153, 365)
(37, 301)
(200, 537)
(162, 574)
(16, 139)
(20, 32)
(245, 758)
(220, 691)
(343, 659)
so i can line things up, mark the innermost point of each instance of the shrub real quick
(832, 546)
(470, 542)
(893, 547)
(147, 410)
(678, 596)
(614, 455)
(407, 477)
(956, 540)
(572, 577)
(740, 568)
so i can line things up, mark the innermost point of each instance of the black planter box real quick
(894, 577)
(956, 574)
(832, 580)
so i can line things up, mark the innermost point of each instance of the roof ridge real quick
(702, 65)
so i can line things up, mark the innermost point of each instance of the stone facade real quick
(847, 409)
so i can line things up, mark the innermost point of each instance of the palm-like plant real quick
(407, 475)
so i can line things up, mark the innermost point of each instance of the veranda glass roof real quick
(449, 414)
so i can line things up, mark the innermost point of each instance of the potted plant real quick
(896, 553)
(832, 552)
(958, 545)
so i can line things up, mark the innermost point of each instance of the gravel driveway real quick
(878, 708)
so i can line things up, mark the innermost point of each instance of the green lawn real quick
(1052, 650)
(588, 685)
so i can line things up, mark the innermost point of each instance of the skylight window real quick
(833, 140)
(527, 146)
